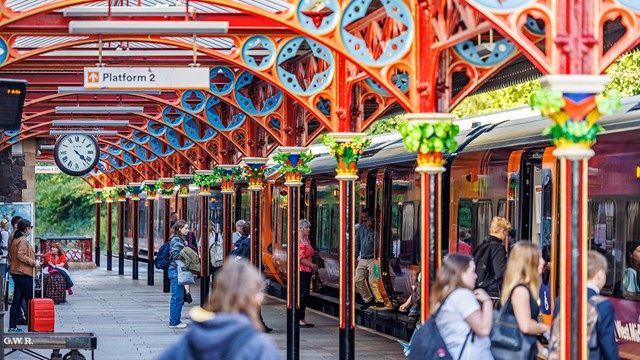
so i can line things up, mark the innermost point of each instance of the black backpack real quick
(242, 250)
(427, 343)
(163, 258)
(484, 267)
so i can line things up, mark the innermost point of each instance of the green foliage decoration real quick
(427, 138)
(222, 174)
(348, 151)
(109, 193)
(205, 179)
(283, 160)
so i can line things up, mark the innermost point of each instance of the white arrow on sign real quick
(93, 77)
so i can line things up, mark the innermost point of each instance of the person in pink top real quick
(307, 268)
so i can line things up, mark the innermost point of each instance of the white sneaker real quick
(179, 326)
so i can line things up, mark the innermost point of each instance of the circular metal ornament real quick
(192, 131)
(320, 80)
(401, 81)
(4, 51)
(502, 49)
(172, 116)
(221, 80)
(318, 16)
(501, 4)
(76, 155)
(216, 122)
(394, 49)
(259, 52)
(191, 106)
(247, 104)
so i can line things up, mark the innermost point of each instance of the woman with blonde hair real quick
(463, 316)
(228, 326)
(520, 295)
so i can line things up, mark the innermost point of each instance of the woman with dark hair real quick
(228, 326)
(176, 244)
(464, 316)
(631, 282)
(23, 263)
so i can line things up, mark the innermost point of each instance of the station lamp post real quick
(292, 162)
(347, 149)
(429, 134)
(150, 187)
(98, 202)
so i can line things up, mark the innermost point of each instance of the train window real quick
(602, 235)
(631, 281)
(323, 225)
(407, 231)
(502, 208)
(483, 215)
(465, 218)
(334, 229)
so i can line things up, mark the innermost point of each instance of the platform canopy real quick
(280, 72)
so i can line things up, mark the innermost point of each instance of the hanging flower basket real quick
(166, 187)
(204, 179)
(293, 164)
(150, 187)
(135, 189)
(347, 149)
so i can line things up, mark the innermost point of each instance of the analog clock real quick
(77, 154)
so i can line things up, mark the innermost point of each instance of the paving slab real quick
(130, 320)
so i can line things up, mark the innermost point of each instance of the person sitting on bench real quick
(57, 263)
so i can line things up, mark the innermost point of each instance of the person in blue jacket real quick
(605, 346)
(228, 326)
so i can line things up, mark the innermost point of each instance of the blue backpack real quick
(163, 259)
(242, 250)
(427, 343)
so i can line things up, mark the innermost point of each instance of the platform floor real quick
(130, 320)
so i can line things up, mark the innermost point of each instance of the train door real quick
(383, 244)
(548, 233)
(513, 193)
(530, 218)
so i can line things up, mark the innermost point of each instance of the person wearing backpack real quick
(490, 257)
(216, 251)
(176, 244)
(228, 325)
(461, 317)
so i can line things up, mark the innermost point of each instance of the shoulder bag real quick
(507, 341)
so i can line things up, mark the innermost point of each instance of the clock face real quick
(76, 154)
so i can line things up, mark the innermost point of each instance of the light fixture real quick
(336, 193)
(638, 171)
(90, 122)
(81, 90)
(98, 109)
(83, 132)
(82, 11)
(148, 27)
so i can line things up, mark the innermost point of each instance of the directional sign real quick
(157, 78)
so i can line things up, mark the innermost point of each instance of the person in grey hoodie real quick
(228, 326)
(176, 244)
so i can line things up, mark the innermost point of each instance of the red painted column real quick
(152, 191)
(98, 201)
(254, 172)
(227, 175)
(166, 286)
(109, 202)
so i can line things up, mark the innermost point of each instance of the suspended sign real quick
(136, 78)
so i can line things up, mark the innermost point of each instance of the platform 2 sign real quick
(138, 78)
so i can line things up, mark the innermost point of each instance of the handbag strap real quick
(508, 304)
(465, 344)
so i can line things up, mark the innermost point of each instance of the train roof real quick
(505, 128)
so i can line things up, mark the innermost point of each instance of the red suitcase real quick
(41, 313)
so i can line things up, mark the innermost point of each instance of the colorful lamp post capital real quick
(183, 181)
(98, 196)
(108, 193)
(347, 149)
(227, 174)
(135, 189)
(122, 192)
(574, 103)
(151, 188)
(430, 134)
(204, 179)
(254, 171)
(293, 163)
(166, 186)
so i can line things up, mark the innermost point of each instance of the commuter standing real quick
(605, 346)
(235, 237)
(464, 316)
(4, 245)
(173, 218)
(216, 251)
(307, 268)
(364, 251)
(179, 233)
(491, 258)
(228, 326)
(23, 264)
(520, 295)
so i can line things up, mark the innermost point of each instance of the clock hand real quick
(81, 156)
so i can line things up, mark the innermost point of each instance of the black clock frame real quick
(67, 171)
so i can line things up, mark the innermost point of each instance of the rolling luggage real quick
(41, 313)
(55, 287)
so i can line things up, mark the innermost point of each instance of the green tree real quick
(387, 125)
(625, 74)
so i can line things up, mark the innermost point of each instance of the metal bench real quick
(27, 342)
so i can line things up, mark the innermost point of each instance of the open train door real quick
(383, 244)
(549, 233)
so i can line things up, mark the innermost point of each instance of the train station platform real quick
(130, 320)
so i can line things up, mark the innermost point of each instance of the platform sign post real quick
(292, 162)
(572, 102)
(347, 149)
(98, 202)
(429, 134)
